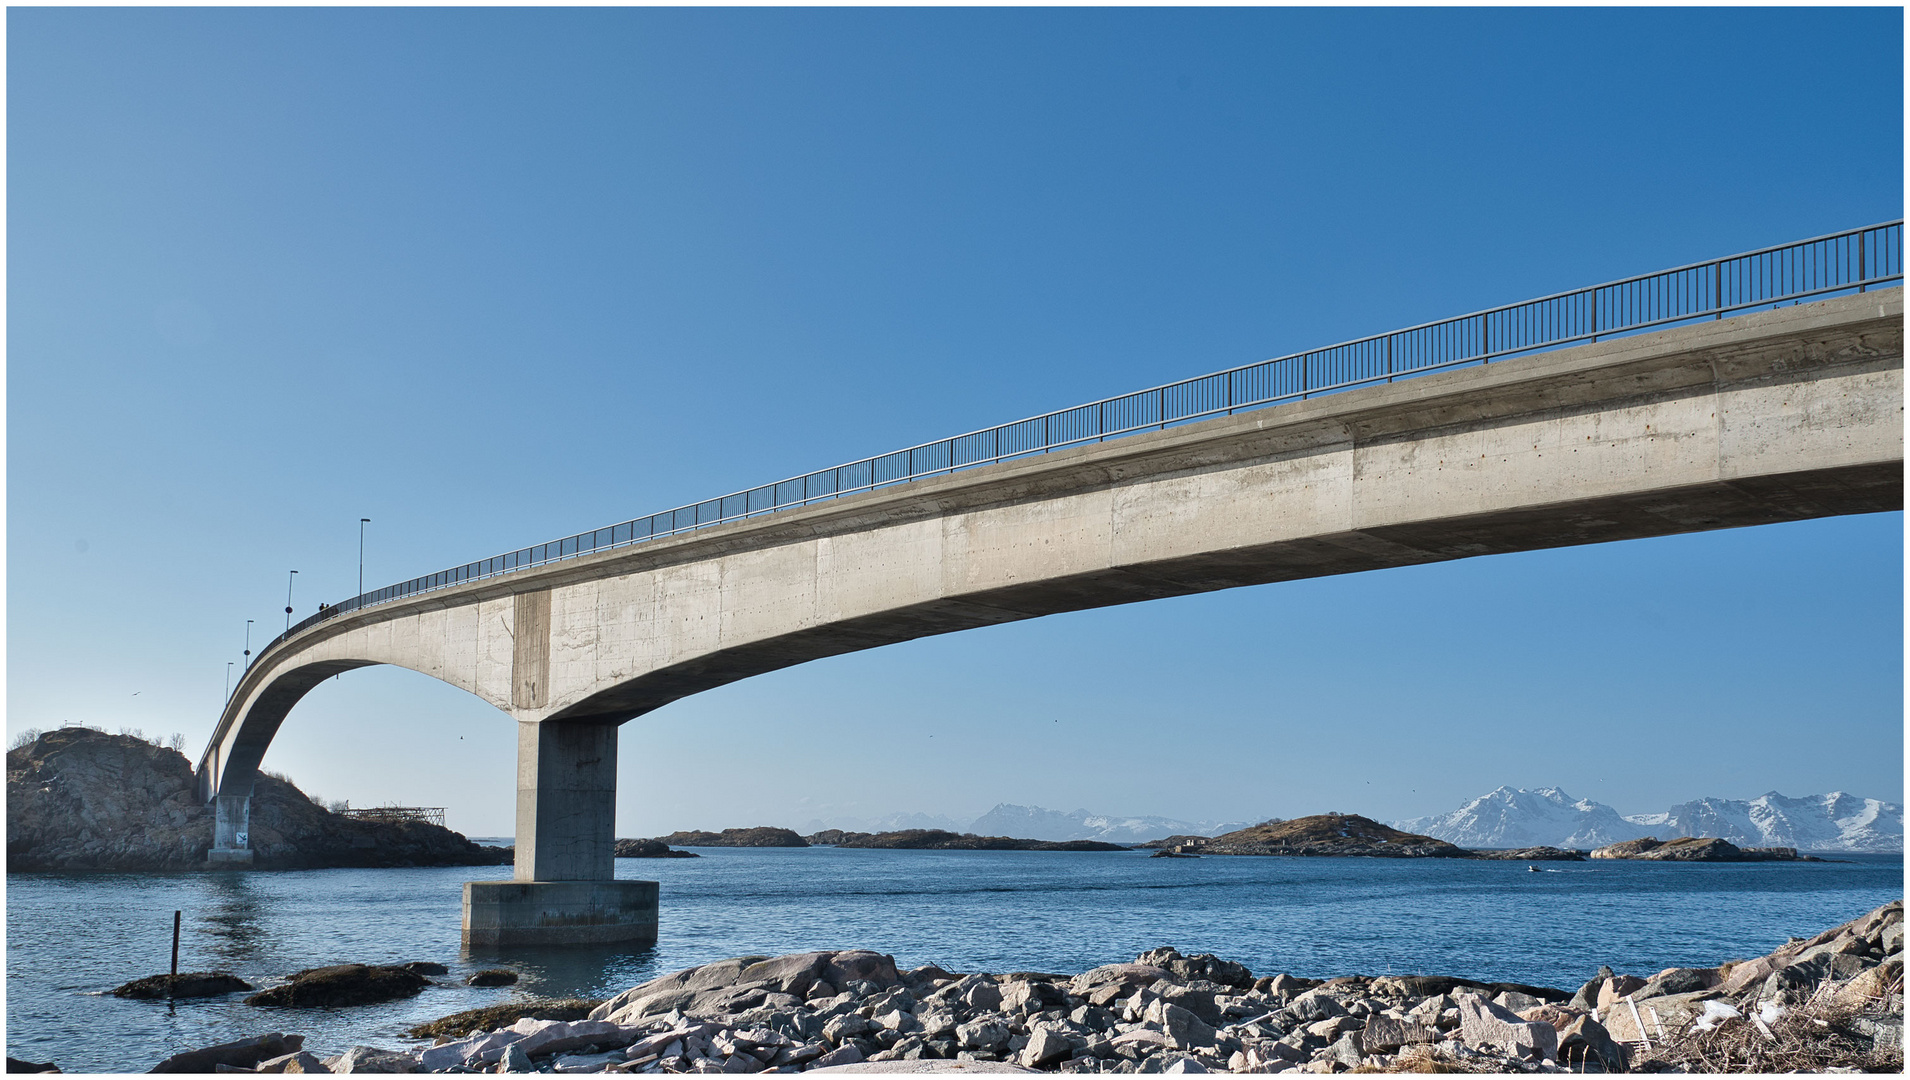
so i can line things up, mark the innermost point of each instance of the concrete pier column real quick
(566, 802)
(231, 829)
(565, 889)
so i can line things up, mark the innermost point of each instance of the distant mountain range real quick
(1036, 823)
(1530, 817)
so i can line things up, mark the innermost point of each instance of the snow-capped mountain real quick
(1518, 817)
(1036, 823)
(884, 823)
(1833, 822)
(1521, 817)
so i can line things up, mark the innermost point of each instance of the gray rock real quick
(243, 1053)
(1346, 1051)
(1585, 1039)
(1482, 1023)
(842, 1055)
(1385, 1034)
(583, 1063)
(982, 1035)
(1183, 1028)
(1885, 1033)
(1045, 1046)
(846, 1026)
(1515, 1002)
(861, 966)
(1315, 1005)
(792, 974)
(899, 1022)
(1126, 978)
(514, 1060)
(937, 1021)
(984, 995)
(371, 1059)
(299, 1061)
(683, 984)
(1335, 1026)
(1201, 1002)
(1672, 981)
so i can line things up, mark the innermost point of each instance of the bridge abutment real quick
(565, 889)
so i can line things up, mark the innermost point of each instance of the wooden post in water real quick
(175, 956)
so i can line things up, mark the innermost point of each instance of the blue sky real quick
(489, 277)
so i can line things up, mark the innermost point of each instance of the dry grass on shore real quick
(1813, 1037)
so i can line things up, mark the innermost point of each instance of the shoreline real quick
(1832, 1000)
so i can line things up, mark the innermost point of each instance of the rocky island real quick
(1321, 834)
(1697, 849)
(942, 840)
(1830, 1002)
(82, 799)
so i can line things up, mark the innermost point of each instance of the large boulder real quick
(1385, 1035)
(185, 985)
(372, 1059)
(1201, 966)
(667, 991)
(742, 982)
(243, 1054)
(493, 1017)
(341, 984)
(1125, 978)
(1585, 1040)
(1482, 1023)
(1660, 1017)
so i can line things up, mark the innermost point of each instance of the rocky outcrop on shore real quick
(1533, 854)
(649, 849)
(942, 840)
(760, 836)
(1833, 1001)
(1697, 849)
(80, 799)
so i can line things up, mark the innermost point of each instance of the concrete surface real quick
(508, 913)
(1776, 416)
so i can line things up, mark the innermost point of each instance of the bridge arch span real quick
(1774, 416)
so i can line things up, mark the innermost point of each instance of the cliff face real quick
(79, 799)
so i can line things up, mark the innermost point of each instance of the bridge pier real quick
(231, 828)
(564, 890)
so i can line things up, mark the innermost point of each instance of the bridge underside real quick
(1779, 416)
(1764, 500)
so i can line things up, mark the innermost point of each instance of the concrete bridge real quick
(1777, 415)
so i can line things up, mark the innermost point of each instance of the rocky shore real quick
(81, 799)
(1830, 1002)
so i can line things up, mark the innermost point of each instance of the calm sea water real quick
(70, 937)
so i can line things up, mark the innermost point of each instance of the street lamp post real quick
(228, 680)
(293, 576)
(248, 644)
(362, 522)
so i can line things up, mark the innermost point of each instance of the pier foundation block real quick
(231, 831)
(560, 912)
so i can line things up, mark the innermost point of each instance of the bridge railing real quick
(1848, 261)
